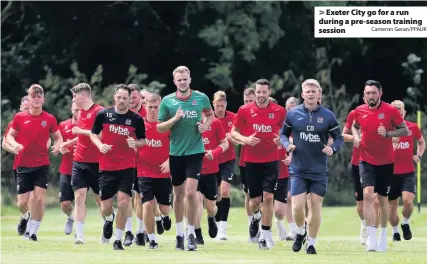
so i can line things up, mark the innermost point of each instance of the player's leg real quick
(299, 191)
(198, 226)
(162, 200)
(393, 201)
(24, 185)
(147, 191)
(358, 195)
(30, 209)
(408, 196)
(129, 237)
(177, 166)
(368, 178)
(289, 217)
(254, 184)
(158, 218)
(226, 175)
(40, 186)
(124, 180)
(138, 207)
(192, 172)
(210, 194)
(80, 183)
(108, 186)
(382, 186)
(280, 204)
(248, 210)
(66, 198)
(317, 191)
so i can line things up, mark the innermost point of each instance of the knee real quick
(279, 213)
(164, 209)
(22, 203)
(66, 205)
(123, 203)
(178, 196)
(255, 201)
(359, 207)
(407, 202)
(210, 206)
(80, 198)
(268, 198)
(191, 194)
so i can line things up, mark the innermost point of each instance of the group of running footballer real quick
(179, 150)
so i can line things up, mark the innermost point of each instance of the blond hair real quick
(220, 96)
(398, 104)
(153, 97)
(272, 100)
(249, 91)
(181, 69)
(81, 87)
(35, 89)
(311, 82)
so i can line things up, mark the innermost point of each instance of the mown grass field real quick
(337, 243)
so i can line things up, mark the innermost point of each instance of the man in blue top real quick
(310, 125)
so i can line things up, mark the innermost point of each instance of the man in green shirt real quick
(181, 113)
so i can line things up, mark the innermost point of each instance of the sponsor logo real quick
(402, 145)
(308, 137)
(300, 118)
(154, 143)
(262, 128)
(206, 141)
(26, 122)
(88, 115)
(119, 130)
(190, 114)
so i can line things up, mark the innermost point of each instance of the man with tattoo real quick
(379, 122)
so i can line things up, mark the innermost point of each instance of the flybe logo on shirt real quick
(402, 145)
(206, 141)
(309, 137)
(190, 114)
(119, 130)
(154, 143)
(262, 128)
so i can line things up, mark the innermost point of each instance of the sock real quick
(257, 215)
(405, 221)
(364, 223)
(191, 230)
(395, 229)
(139, 226)
(218, 212)
(180, 229)
(35, 228)
(109, 218)
(198, 232)
(264, 232)
(383, 231)
(311, 241)
(119, 234)
(185, 221)
(263, 227)
(71, 217)
(29, 226)
(79, 229)
(372, 231)
(25, 215)
(225, 209)
(158, 218)
(250, 219)
(293, 226)
(152, 237)
(223, 225)
(128, 226)
(301, 230)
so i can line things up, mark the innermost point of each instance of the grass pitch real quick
(337, 243)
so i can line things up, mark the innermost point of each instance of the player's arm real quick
(80, 131)
(238, 123)
(6, 146)
(421, 146)
(207, 110)
(165, 122)
(400, 130)
(140, 133)
(233, 141)
(346, 133)
(96, 130)
(355, 130)
(335, 133)
(286, 131)
(10, 139)
(70, 143)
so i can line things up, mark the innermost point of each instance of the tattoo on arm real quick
(355, 129)
(400, 131)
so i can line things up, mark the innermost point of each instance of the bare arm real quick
(421, 145)
(57, 137)
(400, 131)
(346, 133)
(96, 141)
(235, 133)
(70, 143)
(10, 138)
(79, 131)
(233, 141)
(6, 146)
(355, 130)
(164, 127)
(209, 116)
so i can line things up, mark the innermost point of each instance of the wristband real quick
(217, 151)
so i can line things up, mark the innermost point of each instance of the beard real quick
(372, 102)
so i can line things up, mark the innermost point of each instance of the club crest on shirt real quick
(128, 122)
(410, 133)
(230, 123)
(194, 102)
(66, 127)
(271, 115)
(320, 120)
(88, 115)
(380, 116)
(43, 123)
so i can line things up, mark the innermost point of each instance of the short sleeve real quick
(350, 119)
(163, 111)
(239, 119)
(54, 124)
(417, 132)
(97, 125)
(396, 118)
(355, 117)
(206, 104)
(16, 124)
(139, 128)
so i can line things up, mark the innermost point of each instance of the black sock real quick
(218, 213)
(263, 227)
(198, 232)
(225, 208)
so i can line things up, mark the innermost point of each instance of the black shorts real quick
(183, 167)
(402, 183)
(135, 185)
(357, 186)
(27, 178)
(159, 188)
(65, 189)
(378, 176)
(261, 177)
(226, 171)
(110, 182)
(208, 186)
(85, 175)
(243, 178)
(281, 190)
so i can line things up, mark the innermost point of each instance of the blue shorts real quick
(309, 183)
